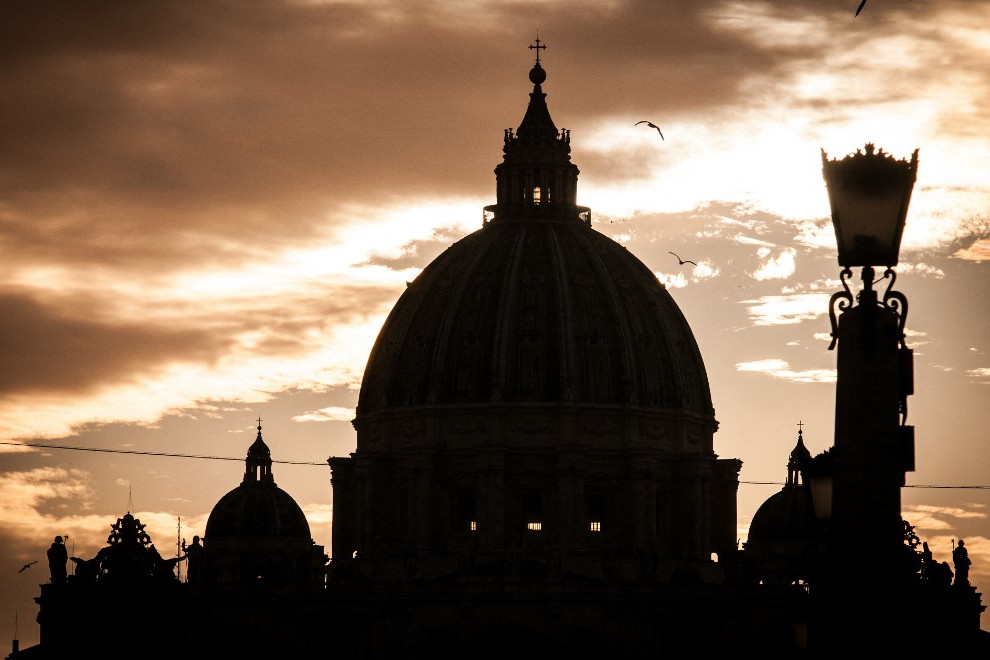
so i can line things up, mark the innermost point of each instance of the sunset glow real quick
(208, 212)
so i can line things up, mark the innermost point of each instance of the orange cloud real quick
(978, 251)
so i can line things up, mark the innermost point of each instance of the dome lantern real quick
(258, 464)
(536, 178)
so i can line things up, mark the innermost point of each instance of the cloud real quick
(787, 309)
(705, 270)
(672, 281)
(922, 269)
(138, 136)
(981, 374)
(324, 342)
(330, 414)
(776, 267)
(778, 368)
(748, 240)
(30, 496)
(46, 349)
(978, 251)
(33, 514)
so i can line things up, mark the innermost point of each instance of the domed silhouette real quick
(257, 507)
(257, 534)
(534, 399)
(781, 535)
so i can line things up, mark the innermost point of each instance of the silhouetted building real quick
(122, 598)
(534, 477)
(257, 535)
(259, 590)
(262, 588)
(534, 470)
(781, 541)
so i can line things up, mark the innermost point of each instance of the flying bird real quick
(683, 261)
(651, 125)
(860, 8)
(27, 566)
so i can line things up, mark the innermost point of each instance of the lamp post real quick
(869, 192)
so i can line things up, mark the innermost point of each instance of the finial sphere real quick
(537, 75)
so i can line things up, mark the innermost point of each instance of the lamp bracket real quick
(840, 301)
(896, 301)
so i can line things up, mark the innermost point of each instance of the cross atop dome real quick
(538, 47)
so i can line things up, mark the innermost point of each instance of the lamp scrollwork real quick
(839, 302)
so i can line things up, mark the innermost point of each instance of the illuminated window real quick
(537, 195)
(532, 511)
(594, 511)
(466, 513)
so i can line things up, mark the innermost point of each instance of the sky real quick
(207, 210)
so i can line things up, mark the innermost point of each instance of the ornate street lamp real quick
(862, 591)
(869, 192)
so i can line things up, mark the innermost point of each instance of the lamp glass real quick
(821, 495)
(869, 195)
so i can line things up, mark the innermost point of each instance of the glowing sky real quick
(207, 209)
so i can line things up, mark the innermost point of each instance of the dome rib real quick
(539, 311)
(567, 344)
(500, 341)
(448, 320)
(626, 376)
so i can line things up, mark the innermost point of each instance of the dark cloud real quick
(419, 253)
(42, 349)
(140, 133)
(75, 346)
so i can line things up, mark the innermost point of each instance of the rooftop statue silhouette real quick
(961, 562)
(57, 558)
(195, 556)
(128, 557)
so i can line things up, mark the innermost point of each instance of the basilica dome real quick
(536, 306)
(536, 309)
(534, 381)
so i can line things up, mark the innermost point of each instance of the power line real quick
(323, 464)
(781, 483)
(147, 453)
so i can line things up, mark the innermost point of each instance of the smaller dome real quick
(257, 509)
(784, 517)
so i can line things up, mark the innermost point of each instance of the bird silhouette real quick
(27, 566)
(651, 125)
(860, 8)
(683, 261)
